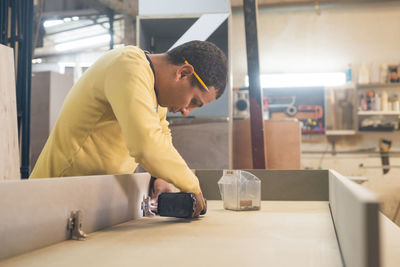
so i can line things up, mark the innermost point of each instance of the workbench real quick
(306, 229)
(284, 233)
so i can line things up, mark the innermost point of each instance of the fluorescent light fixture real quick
(52, 23)
(301, 79)
(94, 41)
(74, 64)
(37, 61)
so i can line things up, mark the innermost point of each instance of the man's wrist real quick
(151, 185)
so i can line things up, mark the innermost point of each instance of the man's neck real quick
(160, 64)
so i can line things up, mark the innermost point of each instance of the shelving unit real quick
(378, 120)
(383, 113)
(377, 85)
(349, 93)
(340, 132)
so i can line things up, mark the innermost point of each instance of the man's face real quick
(182, 96)
(185, 100)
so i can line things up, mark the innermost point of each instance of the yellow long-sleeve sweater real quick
(110, 121)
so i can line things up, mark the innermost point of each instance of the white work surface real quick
(282, 233)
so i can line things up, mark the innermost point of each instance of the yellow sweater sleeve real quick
(129, 89)
(164, 126)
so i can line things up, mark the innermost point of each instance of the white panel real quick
(202, 28)
(355, 214)
(35, 212)
(9, 155)
(179, 7)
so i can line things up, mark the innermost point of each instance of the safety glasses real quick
(198, 78)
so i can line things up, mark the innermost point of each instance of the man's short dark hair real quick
(208, 61)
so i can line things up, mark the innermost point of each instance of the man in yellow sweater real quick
(114, 117)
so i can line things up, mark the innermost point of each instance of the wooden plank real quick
(390, 242)
(287, 185)
(9, 156)
(280, 234)
(35, 212)
(241, 145)
(283, 140)
(355, 213)
(283, 151)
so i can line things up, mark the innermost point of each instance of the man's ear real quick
(183, 72)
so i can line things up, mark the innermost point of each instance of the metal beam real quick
(122, 7)
(4, 22)
(274, 3)
(24, 81)
(255, 93)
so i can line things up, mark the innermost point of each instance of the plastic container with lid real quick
(240, 190)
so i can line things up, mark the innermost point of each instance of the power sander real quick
(179, 205)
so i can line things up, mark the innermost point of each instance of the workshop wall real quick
(296, 39)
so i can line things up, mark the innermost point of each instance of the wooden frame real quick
(41, 219)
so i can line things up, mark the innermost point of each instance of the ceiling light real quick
(94, 41)
(52, 23)
(36, 61)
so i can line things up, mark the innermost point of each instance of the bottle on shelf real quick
(394, 78)
(383, 73)
(349, 74)
(371, 100)
(363, 103)
(363, 75)
(378, 102)
(384, 101)
(375, 73)
(396, 103)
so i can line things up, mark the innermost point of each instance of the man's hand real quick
(160, 186)
(200, 204)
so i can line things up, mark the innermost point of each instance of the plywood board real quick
(282, 144)
(280, 234)
(282, 140)
(9, 156)
(355, 212)
(35, 212)
(390, 242)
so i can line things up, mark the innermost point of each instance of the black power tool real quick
(179, 205)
